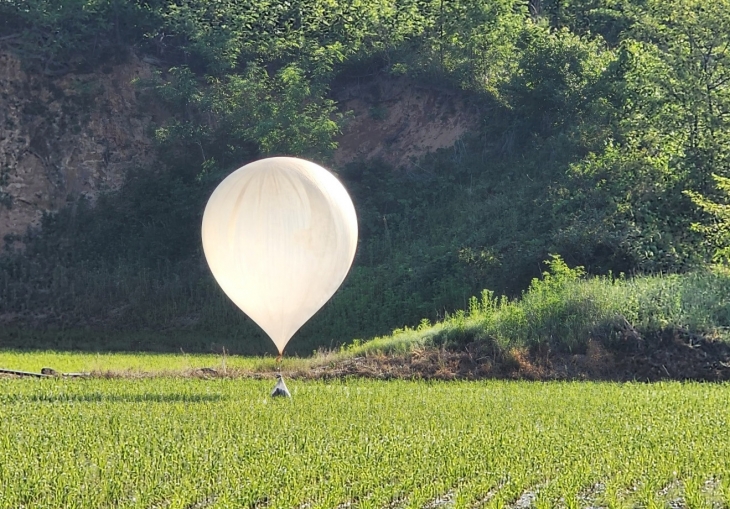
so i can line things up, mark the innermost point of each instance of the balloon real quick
(279, 235)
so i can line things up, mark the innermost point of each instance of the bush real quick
(564, 310)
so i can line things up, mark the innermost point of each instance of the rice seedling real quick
(223, 443)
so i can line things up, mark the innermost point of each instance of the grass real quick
(138, 364)
(223, 443)
(564, 310)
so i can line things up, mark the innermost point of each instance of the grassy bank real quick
(563, 310)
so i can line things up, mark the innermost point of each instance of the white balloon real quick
(280, 235)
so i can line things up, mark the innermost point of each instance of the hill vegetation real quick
(604, 138)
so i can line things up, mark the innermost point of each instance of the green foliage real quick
(468, 44)
(717, 233)
(182, 442)
(563, 310)
(668, 133)
(595, 118)
(559, 77)
(611, 19)
(73, 35)
(237, 116)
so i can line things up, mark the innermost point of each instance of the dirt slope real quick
(61, 137)
(671, 355)
(398, 121)
(65, 136)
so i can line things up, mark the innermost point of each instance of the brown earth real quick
(62, 137)
(676, 357)
(398, 120)
(670, 355)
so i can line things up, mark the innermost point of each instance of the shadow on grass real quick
(98, 397)
(101, 341)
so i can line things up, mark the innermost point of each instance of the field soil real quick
(670, 355)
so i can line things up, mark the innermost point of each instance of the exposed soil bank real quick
(671, 355)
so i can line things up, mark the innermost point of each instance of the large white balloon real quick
(280, 235)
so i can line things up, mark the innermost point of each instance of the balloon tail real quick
(278, 362)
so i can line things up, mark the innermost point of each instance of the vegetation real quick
(224, 443)
(130, 364)
(563, 311)
(601, 123)
(560, 312)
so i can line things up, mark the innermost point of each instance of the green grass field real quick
(130, 363)
(220, 443)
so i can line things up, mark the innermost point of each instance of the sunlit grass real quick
(224, 443)
(138, 363)
(565, 310)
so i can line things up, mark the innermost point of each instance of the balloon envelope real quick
(279, 235)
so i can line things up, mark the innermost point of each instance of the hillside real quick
(66, 137)
(476, 139)
(78, 135)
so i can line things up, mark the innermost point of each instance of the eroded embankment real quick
(670, 355)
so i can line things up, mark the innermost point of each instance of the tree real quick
(716, 231)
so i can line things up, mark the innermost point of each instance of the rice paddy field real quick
(176, 442)
(131, 363)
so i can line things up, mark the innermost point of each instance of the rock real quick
(66, 136)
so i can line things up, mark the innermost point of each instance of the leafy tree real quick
(557, 77)
(232, 118)
(717, 231)
(609, 19)
(692, 46)
(669, 103)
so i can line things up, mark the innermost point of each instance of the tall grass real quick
(564, 310)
